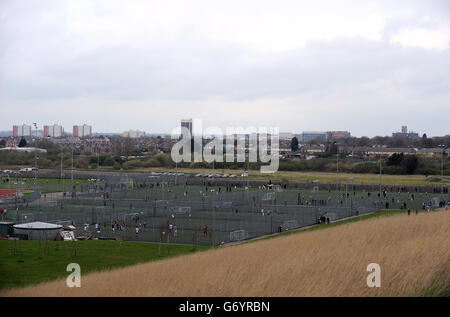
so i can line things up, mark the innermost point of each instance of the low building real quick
(312, 135)
(430, 152)
(374, 151)
(23, 149)
(38, 230)
(6, 227)
(312, 149)
(338, 135)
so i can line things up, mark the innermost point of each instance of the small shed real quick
(38, 230)
(6, 227)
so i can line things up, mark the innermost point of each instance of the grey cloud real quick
(40, 62)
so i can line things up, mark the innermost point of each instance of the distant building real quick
(187, 123)
(133, 134)
(82, 131)
(312, 149)
(310, 135)
(21, 130)
(430, 152)
(377, 151)
(286, 136)
(12, 143)
(338, 134)
(405, 133)
(23, 149)
(53, 131)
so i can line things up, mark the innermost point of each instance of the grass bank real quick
(37, 262)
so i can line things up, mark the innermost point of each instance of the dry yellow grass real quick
(413, 253)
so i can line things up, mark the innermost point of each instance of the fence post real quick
(159, 247)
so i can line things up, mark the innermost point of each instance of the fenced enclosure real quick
(156, 209)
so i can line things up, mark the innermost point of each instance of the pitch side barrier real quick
(435, 188)
(208, 217)
(191, 180)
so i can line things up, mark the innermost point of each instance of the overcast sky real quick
(364, 66)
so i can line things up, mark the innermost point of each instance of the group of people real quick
(324, 219)
(140, 227)
(117, 225)
(267, 212)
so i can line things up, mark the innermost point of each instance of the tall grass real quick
(412, 251)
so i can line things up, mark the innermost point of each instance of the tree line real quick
(396, 164)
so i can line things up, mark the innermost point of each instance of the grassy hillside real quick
(412, 252)
(36, 262)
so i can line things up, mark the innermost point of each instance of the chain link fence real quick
(158, 210)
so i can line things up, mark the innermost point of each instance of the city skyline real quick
(326, 133)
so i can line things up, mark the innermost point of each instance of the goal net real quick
(238, 235)
(131, 218)
(224, 204)
(435, 201)
(289, 224)
(269, 196)
(162, 203)
(27, 217)
(277, 188)
(180, 210)
(331, 215)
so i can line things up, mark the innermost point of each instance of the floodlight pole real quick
(248, 171)
(35, 159)
(176, 173)
(98, 166)
(248, 167)
(442, 172)
(351, 198)
(62, 168)
(15, 196)
(62, 153)
(72, 170)
(380, 176)
(346, 192)
(214, 226)
(337, 172)
(442, 168)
